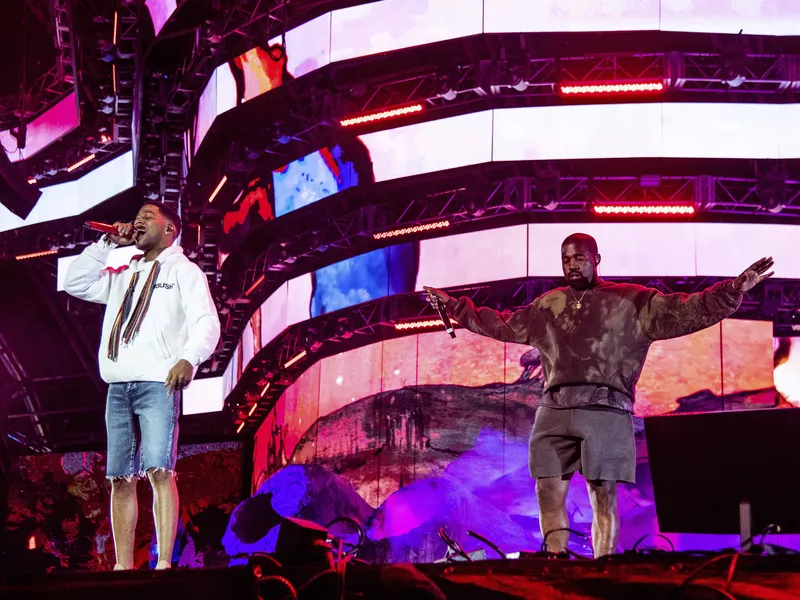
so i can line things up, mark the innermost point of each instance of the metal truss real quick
(59, 80)
(320, 99)
(375, 322)
(21, 390)
(329, 231)
(66, 61)
(126, 71)
(46, 91)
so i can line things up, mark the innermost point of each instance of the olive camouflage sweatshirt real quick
(603, 342)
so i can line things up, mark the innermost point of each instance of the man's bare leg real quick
(124, 513)
(552, 495)
(165, 514)
(605, 517)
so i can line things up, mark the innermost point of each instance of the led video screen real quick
(75, 197)
(423, 432)
(396, 24)
(300, 183)
(391, 25)
(45, 129)
(160, 12)
(519, 134)
(251, 74)
(628, 250)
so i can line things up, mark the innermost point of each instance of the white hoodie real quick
(181, 321)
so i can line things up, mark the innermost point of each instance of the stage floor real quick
(623, 576)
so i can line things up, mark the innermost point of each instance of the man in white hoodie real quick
(160, 324)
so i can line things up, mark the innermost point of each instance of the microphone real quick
(448, 326)
(101, 227)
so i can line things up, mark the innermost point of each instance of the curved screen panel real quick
(518, 134)
(45, 129)
(392, 25)
(160, 12)
(628, 250)
(423, 432)
(75, 197)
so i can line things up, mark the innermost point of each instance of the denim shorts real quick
(141, 411)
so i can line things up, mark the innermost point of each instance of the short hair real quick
(169, 213)
(582, 239)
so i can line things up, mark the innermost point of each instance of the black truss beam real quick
(308, 108)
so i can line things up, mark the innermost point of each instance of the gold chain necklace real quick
(578, 300)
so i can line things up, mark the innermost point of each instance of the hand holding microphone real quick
(438, 298)
(122, 234)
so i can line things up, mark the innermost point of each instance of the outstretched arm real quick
(665, 316)
(519, 327)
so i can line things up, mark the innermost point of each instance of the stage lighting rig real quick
(548, 189)
(733, 58)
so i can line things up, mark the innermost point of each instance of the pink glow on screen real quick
(725, 249)
(308, 46)
(74, 197)
(787, 373)
(261, 71)
(274, 313)
(160, 12)
(627, 249)
(218, 97)
(431, 146)
(589, 131)
(556, 15)
(758, 132)
(394, 24)
(755, 17)
(44, 129)
(490, 255)
(203, 396)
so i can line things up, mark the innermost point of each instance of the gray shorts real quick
(596, 441)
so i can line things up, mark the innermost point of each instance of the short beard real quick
(579, 284)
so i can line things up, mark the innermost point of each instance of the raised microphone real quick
(448, 326)
(101, 227)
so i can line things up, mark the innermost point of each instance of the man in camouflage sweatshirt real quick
(593, 337)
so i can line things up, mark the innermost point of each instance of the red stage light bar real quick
(383, 115)
(257, 283)
(264, 390)
(217, 189)
(293, 360)
(644, 210)
(36, 254)
(252, 409)
(80, 163)
(241, 426)
(601, 89)
(423, 324)
(409, 230)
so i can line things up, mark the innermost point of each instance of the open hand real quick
(179, 376)
(753, 275)
(433, 295)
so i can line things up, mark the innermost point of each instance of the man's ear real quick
(597, 258)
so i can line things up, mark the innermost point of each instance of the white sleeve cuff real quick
(191, 358)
